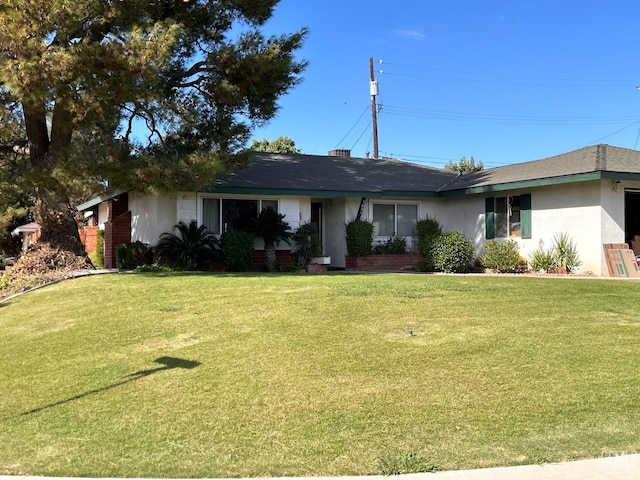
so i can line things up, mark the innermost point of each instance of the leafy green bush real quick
(501, 256)
(154, 268)
(306, 245)
(132, 255)
(188, 247)
(452, 252)
(97, 257)
(359, 235)
(393, 246)
(238, 250)
(428, 231)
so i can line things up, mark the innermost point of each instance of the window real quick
(508, 216)
(211, 214)
(230, 214)
(399, 220)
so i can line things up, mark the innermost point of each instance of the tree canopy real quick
(464, 166)
(156, 95)
(279, 145)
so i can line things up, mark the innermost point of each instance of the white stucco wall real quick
(103, 214)
(151, 215)
(186, 207)
(591, 213)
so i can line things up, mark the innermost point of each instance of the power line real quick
(501, 78)
(353, 126)
(613, 133)
(506, 118)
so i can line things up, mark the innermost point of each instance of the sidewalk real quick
(624, 467)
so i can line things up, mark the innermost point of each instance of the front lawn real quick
(194, 375)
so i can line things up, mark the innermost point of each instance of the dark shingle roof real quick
(348, 176)
(326, 174)
(589, 160)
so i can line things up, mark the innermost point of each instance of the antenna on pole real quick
(373, 89)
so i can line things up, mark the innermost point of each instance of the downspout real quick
(361, 208)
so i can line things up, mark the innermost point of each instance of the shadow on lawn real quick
(167, 363)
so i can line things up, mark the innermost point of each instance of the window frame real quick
(503, 222)
(395, 206)
(260, 204)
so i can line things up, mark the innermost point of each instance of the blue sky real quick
(502, 81)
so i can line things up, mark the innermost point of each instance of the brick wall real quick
(283, 257)
(116, 232)
(89, 238)
(382, 263)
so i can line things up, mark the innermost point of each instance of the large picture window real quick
(220, 215)
(394, 220)
(508, 216)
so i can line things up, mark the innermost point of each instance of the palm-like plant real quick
(271, 227)
(566, 252)
(188, 246)
(306, 238)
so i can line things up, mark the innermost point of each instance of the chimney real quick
(340, 152)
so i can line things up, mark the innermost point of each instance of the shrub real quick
(132, 255)
(428, 231)
(452, 252)
(307, 246)
(393, 246)
(561, 257)
(154, 268)
(542, 260)
(501, 256)
(238, 250)
(188, 246)
(359, 235)
(566, 252)
(97, 257)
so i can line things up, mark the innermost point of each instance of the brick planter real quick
(383, 263)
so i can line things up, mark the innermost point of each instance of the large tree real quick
(156, 95)
(279, 145)
(464, 166)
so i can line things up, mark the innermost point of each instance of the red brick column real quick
(116, 232)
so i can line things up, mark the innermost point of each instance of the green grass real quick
(315, 375)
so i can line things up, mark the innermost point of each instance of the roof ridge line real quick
(601, 157)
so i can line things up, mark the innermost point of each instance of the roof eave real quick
(98, 200)
(538, 182)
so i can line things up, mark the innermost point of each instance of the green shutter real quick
(525, 215)
(489, 218)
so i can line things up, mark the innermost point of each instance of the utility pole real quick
(373, 89)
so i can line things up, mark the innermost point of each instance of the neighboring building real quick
(29, 233)
(592, 194)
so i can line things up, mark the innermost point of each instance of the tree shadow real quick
(167, 363)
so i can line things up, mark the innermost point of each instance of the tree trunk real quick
(53, 212)
(58, 226)
(271, 261)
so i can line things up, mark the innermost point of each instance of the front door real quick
(316, 219)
